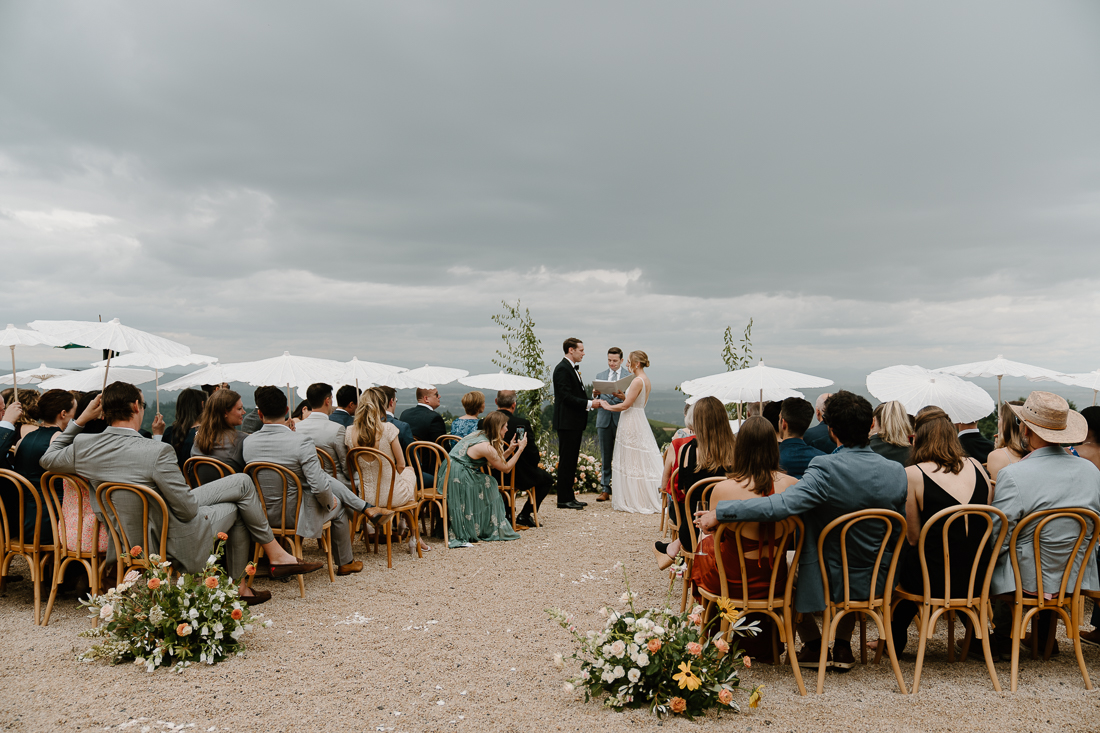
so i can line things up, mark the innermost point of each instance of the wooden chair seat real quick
(359, 462)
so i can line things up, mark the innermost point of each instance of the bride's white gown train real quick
(636, 466)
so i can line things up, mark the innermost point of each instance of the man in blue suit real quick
(607, 423)
(347, 399)
(853, 478)
(818, 436)
(795, 415)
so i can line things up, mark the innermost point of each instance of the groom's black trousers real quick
(569, 449)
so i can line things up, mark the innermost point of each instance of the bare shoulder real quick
(784, 482)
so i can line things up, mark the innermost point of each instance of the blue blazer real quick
(404, 432)
(837, 484)
(818, 437)
(605, 419)
(343, 417)
(795, 456)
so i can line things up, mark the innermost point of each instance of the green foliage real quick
(737, 357)
(523, 354)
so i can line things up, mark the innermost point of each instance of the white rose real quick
(618, 649)
(634, 675)
(568, 687)
(107, 612)
(606, 649)
(619, 672)
(658, 630)
(631, 649)
(559, 662)
(608, 676)
(642, 660)
(641, 637)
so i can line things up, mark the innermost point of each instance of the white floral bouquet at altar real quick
(157, 621)
(671, 663)
(589, 471)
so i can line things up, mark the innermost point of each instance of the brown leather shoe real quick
(352, 567)
(604, 496)
(378, 515)
(257, 597)
(298, 568)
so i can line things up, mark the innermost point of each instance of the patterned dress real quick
(475, 508)
(463, 426)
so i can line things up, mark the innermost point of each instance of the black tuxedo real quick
(528, 474)
(570, 420)
(426, 423)
(977, 446)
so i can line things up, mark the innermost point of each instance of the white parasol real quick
(288, 370)
(1088, 380)
(35, 375)
(157, 362)
(755, 383)
(999, 367)
(95, 378)
(501, 381)
(435, 375)
(212, 374)
(367, 373)
(916, 387)
(12, 337)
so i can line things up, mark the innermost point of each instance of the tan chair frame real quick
(34, 552)
(434, 495)
(357, 457)
(89, 560)
(104, 495)
(704, 487)
(328, 463)
(192, 465)
(442, 441)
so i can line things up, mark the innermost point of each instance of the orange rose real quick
(694, 648)
(678, 704)
(211, 582)
(153, 583)
(237, 613)
(654, 646)
(223, 536)
(183, 630)
(747, 661)
(135, 550)
(250, 569)
(725, 696)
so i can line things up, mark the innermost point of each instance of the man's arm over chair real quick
(806, 495)
(60, 456)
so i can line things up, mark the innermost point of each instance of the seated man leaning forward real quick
(196, 517)
(853, 478)
(328, 500)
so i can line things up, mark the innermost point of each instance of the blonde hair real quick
(491, 427)
(1009, 433)
(893, 423)
(473, 403)
(638, 357)
(370, 418)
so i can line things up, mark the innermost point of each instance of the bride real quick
(636, 467)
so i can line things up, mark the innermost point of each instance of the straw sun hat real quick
(1051, 419)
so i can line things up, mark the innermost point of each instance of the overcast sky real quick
(873, 183)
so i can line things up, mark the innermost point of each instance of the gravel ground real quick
(459, 641)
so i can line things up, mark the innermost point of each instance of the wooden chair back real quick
(68, 549)
(421, 453)
(787, 534)
(363, 462)
(16, 540)
(199, 470)
(280, 479)
(328, 463)
(151, 502)
(447, 441)
(702, 489)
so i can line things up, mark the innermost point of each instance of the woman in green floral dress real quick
(475, 508)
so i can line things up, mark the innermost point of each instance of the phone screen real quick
(520, 432)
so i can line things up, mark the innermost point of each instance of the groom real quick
(571, 406)
(607, 423)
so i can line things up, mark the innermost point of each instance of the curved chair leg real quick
(981, 629)
(1017, 635)
(58, 574)
(828, 630)
(36, 578)
(927, 624)
(389, 545)
(792, 658)
(884, 629)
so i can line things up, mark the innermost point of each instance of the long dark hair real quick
(53, 402)
(713, 435)
(188, 414)
(937, 441)
(757, 455)
(213, 426)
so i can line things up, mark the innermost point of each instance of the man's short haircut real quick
(506, 398)
(346, 395)
(849, 416)
(819, 405)
(317, 393)
(118, 401)
(615, 350)
(390, 392)
(271, 401)
(570, 343)
(798, 413)
(422, 392)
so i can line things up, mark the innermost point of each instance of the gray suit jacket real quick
(1047, 478)
(833, 485)
(605, 419)
(328, 435)
(279, 444)
(120, 454)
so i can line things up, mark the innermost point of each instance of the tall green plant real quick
(522, 354)
(737, 357)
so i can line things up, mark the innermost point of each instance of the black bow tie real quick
(577, 367)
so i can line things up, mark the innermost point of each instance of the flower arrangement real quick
(672, 663)
(589, 472)
(155, 621)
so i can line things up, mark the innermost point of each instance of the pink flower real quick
(694, 648)
(722, 645)
(678, 704)
(223, 536)
(153, 583)
(183, 630)
(747, 661)
(695, 619)
(725, 696)
(135, 550)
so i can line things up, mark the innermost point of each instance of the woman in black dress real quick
(181, 433)
(55, 408)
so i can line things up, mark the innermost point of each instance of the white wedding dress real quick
(636, 466)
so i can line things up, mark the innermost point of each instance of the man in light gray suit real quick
(328, 435)
(607, 423)
(328, 500)
(1046, 478)
(851, 479)
(121, 454)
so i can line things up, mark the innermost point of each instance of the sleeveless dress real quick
(636, 465)
(26, 464)
(404, 484)
(475, 508)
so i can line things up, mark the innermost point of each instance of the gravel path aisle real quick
(459, 641)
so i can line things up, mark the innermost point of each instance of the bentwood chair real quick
(786, 534)
(140, 534)
(434, 497)
(53, 487)
(937, 602)
(702, 489)
(328, 463)
(365, 462)
(17, 542)
(447, 441)
(875, 606)
(278, 480)
(1066, 602)
(199, 470)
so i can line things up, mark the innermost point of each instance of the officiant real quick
(607, 422)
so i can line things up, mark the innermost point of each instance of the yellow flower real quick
(729, 611)
(687, 678)
(754, 698)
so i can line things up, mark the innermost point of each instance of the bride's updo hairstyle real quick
(639, 358)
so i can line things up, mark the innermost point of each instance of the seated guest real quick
(28, 421)
(12, 411)
(1090, 449)
(228, 505)
(475, 508)
(56, 408)
(890, 430)
(669, 483)
(686, 430)
(347, 399)
(973, 442)
(942, 476)
(1010, 440)
(328, 500)
(529, 475)
(301, 412)
(473, 403)
(370, 430)
(217, 435)
(795, 454)
(425, 422)
(404, 432)
(94, 426)
(850, 479)
(181, 433)
(818, 435)
(771, 414)
(1049, 478)
(709, 455)
(327, 434)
